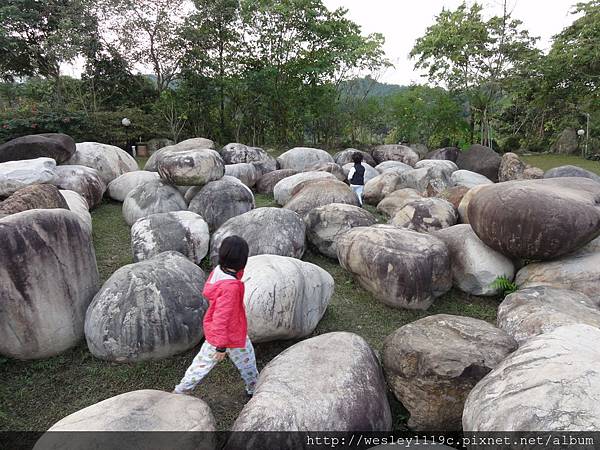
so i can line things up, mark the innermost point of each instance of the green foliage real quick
(504, 285)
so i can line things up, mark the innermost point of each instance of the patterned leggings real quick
(243, 358)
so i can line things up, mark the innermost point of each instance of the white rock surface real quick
(469, 179)
(110, 161)
(303, 158)
(15, 175)
(282, 191)
(152, 197)
(79, 206)
(123, 185)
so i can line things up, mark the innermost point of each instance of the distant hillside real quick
(368, 87)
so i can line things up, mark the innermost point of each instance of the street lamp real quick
(126, 123)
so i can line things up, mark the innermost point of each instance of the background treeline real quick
(288, 72)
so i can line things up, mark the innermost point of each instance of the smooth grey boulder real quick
(537, 310)
(331, 168)
(145, 419)
(189, 144)
(57, 146)
(537, 219)
(111, 162)
(579, 271)
(181, 231)
(475, 266)
(377, 188)
(282, 191)
(235, 153)
(331, 382)
(345, 157)
(270, 231)
(320, 193)
(326, 223)
(285, 298)
(447, 153)
(370, 172)
(84, 180)
(48, 272)
(267, 182)
(393, 166)
(469, 179)
(551, 383)
(432, 364)
(429, 180)
(449, 167)
(15, 175)
(245, 172)
(149, 198)
(147, 310)
(394, 202)
(401, 268)
(35, 196)
(190, 167)
(480, 159)
(303, 158)
(395, 152)
(79, 206)
(426, 215)
(123, 185)
(219, 201)
(571, 171)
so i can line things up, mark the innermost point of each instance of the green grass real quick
(36, 394)
(547, 162)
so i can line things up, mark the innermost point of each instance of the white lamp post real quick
(581, 134)
(126, 123)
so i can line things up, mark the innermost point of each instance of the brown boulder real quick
(313, 194)
(454, 195)
(267, 182)
(36, 196)
(482, 160)
(512, 168)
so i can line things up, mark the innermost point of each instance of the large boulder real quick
(303, 158)
(579, 271)
(285, 298)
(110, 161)
(402, 268)
(331, 168)
(571, 171)
(377, 188)
(345, 157)
(59, 147)
(120, 187)
(181, 231)
(567, 143)
(282, 191)
(191, 167)
(268, 231)
(331, 382)
(326, 223)
(551, 383)
(475, 266)
(393, 166)
(426, 215)
(265, 166)
(320, 193)
(84, 180)
(48, 276)
(429, 180)
(235, 153)
(395, 152)
(481, 160)
(267, 182)
(454, 195)
(370, 172)
(469, 179)
(147, 310)
(463, 206)
(245, 172)
(433, 363)
(446, 166)
(540, 309)
(447, 153)
(15, 175)
(394, 202)
(219, 201)
(537, 219)
(36, 196)
(79, 206)
(184, 146)
(512, 168)
(152, 197)
(131, 414)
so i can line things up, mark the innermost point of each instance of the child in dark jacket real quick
(356, 176)
(225, 326)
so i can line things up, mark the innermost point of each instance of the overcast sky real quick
(403, 21)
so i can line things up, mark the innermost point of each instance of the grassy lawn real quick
(546, 162)
(35, 394)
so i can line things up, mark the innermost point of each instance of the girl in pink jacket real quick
(225, 326)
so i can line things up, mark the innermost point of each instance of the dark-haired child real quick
(356, 176)
(225, 326)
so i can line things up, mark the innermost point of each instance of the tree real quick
(146, 33)
(37, 36)
(473, 56)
